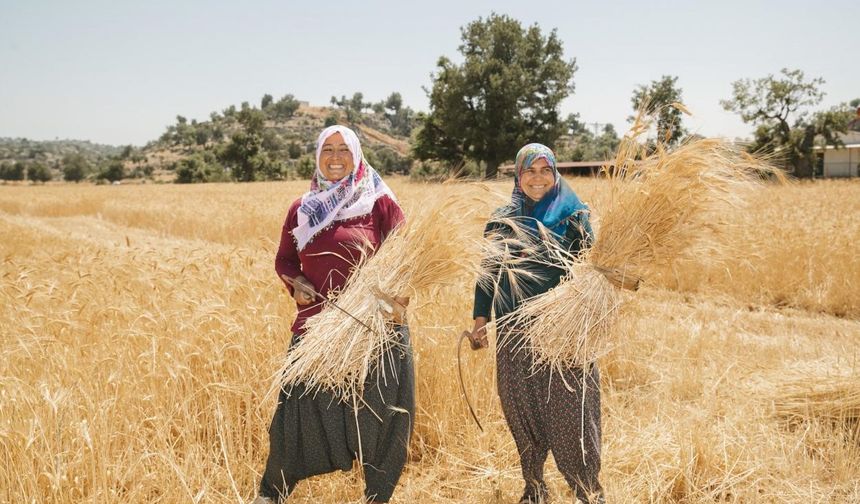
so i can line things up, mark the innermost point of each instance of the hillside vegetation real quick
(270, 141)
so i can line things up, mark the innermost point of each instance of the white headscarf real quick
(349, 197)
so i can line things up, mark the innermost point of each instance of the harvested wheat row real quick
(833, 399)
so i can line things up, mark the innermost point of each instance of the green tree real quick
(5, 170)
(252, 119)
(272, 142)
(294, 150)
(779, 108)
(18, 171)
(330, 119)
(112, 171)
(659, 97)
(38, 172)
(585, 145)
(75, 167)
(394, 102)
(242, 155)
(247, 160)
(12, 172)
(199, 168)
(506, 93)
(266, 101)
(286, 107)
(352, 106)
(306, 167)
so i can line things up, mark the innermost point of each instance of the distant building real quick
(840, 162)
(582, 168)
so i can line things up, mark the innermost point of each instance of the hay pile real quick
(666, 206)
(338, 352)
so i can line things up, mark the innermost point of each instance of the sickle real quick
(466, 334)
(329, 301)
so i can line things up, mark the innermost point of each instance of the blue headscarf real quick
(557, 205)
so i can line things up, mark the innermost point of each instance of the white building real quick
(840, 162)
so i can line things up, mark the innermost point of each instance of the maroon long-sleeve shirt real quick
(328, 259)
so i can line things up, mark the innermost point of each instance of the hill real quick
(52, 152)
(276, 140)
(272, 141)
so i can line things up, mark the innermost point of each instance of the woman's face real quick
(537, 179)
(335, 158)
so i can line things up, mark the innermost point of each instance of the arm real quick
(484, 293)
(287, 262)
(387, 217)
(579, 232)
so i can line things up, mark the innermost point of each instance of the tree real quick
(854, 123)
(286, 107)
(266, 101)
(75, 167)
(394, 102)
(113, 171)
(252, 119)
(19, 170)
(330, 120)
(659, 97)
(294, 150)
(15, 171)
(242, 156)
(248, 160)
(306, 167)
(198, 168)
(779, 108)
(506, 93)
(587, 146)
(352, 106)
(38, 172)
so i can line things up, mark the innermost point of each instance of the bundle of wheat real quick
(663, 207)
(832, 399)
(353, 338)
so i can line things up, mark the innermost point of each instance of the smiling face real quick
(335, 158)
(537, 179)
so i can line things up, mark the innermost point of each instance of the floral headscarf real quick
(329, 201)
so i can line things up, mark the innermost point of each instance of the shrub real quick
(37, 172)
(199, 168)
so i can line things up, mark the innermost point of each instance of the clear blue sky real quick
(119, 71)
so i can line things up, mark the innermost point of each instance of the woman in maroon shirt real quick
(348, 208)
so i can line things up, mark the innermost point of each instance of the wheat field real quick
(141, 327)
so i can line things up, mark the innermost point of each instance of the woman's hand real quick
(303, 290)
(393, 308)
(478, 336)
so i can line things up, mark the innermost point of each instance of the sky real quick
(119, 72)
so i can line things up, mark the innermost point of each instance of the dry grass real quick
(140, 327)
(821, 397)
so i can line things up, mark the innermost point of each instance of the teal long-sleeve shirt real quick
(544, 269)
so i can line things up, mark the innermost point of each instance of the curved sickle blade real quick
(465, 334)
